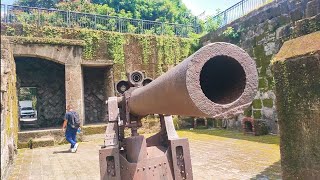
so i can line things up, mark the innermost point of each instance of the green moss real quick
(257, 104)
(262, 83)
(91, 40)
(105, 45)
(209, 135)
(248, 112)
(22, 145)
(283, 20)
(261, 128)
(11, 118)
(146, 49)
(267, 103)
(88, 130)
(43, 142)
(262, 60)
(270, 83)
(260, 37)
(297, 91)
(257, 114)
(53, 41)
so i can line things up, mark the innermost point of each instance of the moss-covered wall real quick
(9, 107)
(149, 53)
(297, 87)
(261, 33)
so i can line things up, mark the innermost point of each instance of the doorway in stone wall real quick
(95, 95)
(42, 82)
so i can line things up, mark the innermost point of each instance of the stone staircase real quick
(51, 137)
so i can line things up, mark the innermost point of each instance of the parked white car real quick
(27, 112)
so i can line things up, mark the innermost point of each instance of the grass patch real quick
(209, 134)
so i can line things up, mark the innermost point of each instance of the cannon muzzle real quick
(219, 80)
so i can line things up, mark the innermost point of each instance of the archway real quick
(48, 78)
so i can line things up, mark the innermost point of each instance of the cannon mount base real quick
(161, 156)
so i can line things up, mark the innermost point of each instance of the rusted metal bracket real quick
(111, 135)
(181, 159)
(171, 131)
(109, 154)
(109, 163)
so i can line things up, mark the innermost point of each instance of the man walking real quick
(72, 123)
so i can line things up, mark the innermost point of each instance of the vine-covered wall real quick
(9, 107)
(261, 33)
(297, 84)
(149, 53)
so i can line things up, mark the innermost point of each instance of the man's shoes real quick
(75, 147)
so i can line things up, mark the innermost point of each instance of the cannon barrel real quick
(219, 80)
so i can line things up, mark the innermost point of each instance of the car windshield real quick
(26, 108)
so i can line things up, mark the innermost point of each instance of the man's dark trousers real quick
(71, 136)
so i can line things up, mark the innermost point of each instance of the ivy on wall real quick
(105, 45)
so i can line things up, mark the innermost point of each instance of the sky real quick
(196, 6)
(209, 6)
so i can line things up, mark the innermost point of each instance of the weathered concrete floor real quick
(213, 157)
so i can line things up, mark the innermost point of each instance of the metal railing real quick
(59, 18)
(238, 10)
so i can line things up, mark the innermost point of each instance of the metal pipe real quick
(219, 80)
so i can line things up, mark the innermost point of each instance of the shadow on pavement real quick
(60, 152)
(267, 139)
(272, 172)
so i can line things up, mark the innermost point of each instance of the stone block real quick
(268, 103)
(260, 127)
(43, 142)
(262, 83)
(256, 104)
(296, 14)
(9, 107)
(94, 129)
(257, 114)
(297, 71)
(312, 8)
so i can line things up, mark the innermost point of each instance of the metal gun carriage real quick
(220, 80)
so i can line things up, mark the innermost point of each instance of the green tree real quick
(38, 3)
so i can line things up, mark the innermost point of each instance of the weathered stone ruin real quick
(297, 77)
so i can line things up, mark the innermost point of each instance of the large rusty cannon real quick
(217, 81)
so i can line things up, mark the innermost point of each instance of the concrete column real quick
(297, 86)
(74, 81)
(74, 89)
(108, 82)
(109, 87)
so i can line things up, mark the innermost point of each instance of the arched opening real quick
(46, 80)
(248, 127)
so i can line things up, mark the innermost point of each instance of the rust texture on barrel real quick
(219, 80)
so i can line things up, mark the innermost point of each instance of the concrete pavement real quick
(213, 157)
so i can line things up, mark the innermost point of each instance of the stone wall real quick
(261, 33)
(49, 79)
(94, 94)
(297, 84)
(9, 107)
(129, 52)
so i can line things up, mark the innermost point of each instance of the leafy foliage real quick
(173, 11)
(212, 24)
(38, 3)
(231, 33)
